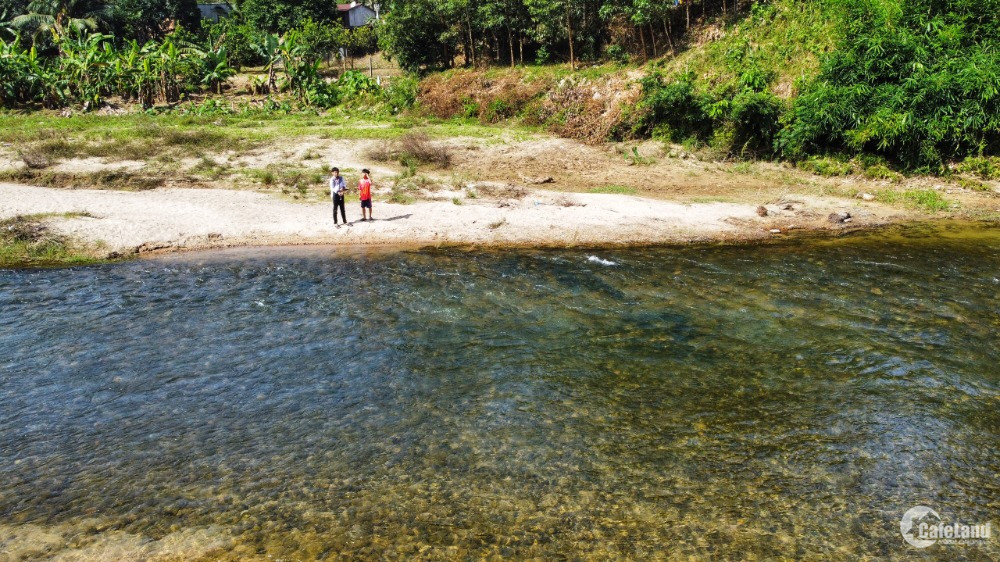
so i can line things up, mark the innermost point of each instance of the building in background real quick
(356, 15)
(214, 11)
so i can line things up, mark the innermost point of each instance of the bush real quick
(239, 40)
(412, 149)
(756, 121)
(825, 166)
(353, 84)
(401, 94)
(673, 110)
(983, 168)
(916, 81)
(497, 111)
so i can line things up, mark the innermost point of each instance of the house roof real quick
(351, 6)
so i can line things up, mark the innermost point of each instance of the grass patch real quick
(120, 180)
(924, 199)
(26, 241)
(614, 188)
(826, 166)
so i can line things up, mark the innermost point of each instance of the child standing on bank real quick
(365, 191)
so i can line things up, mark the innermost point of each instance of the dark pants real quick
(338, 203)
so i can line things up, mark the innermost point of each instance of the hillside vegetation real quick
(835, 85)
(912, 85)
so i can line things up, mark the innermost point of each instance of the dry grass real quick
(509, 191)
(412, 149)
(106, 179)
(35, 160)
(490, 97)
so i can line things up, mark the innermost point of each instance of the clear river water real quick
(733, 402)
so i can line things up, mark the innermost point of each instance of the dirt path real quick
(126, 222)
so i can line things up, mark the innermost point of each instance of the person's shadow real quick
(400, 217)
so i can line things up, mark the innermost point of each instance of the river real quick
(301, 403)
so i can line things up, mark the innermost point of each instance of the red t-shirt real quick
(365, 187)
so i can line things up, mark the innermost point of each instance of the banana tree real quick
(85, 63)
(59, 17)
(270, 50)
(215, 69)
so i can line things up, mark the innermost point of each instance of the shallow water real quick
(746, 402)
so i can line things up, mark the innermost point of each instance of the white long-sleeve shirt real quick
(337, 185)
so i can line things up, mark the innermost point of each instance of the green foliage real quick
(498, 110)
(984, 168)
(916, 81)
(755, 118)
(417, 34)
(826, 166)
(241, 41)
(673, 110)
(281, 16)
(353, 84)
(401, 93)
(60, 18)
(142, 20)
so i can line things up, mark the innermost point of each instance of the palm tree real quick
(60, 17)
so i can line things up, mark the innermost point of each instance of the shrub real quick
(498, 110)
(401, 93)
(984, 168)
(412, 149)
(918, 81)
(673, 110)
(756, 121)
(826, 166)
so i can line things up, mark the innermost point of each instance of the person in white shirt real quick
(338, 190)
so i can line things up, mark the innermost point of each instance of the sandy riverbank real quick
(124, 223)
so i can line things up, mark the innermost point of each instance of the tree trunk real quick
(510, 43)
(652, 37)
(687, 16)
(520, 46)
(472, 42)
(642, 39)
(569, 27)
(667, 25)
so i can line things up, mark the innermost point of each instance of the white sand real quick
(203, 218)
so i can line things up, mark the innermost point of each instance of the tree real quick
(418, 34)
(8, 10)
(283, 15)
(144, 20)
(60, 17)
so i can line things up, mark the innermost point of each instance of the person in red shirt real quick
(365, 190)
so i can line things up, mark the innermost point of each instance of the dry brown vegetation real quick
(475, 93)
(411, 149)
(581, 107)
(104, 179)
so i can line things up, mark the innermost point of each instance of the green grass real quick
(782, 40)
(145, 137)
(614, 188)
(925, 199)
(25, 241)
